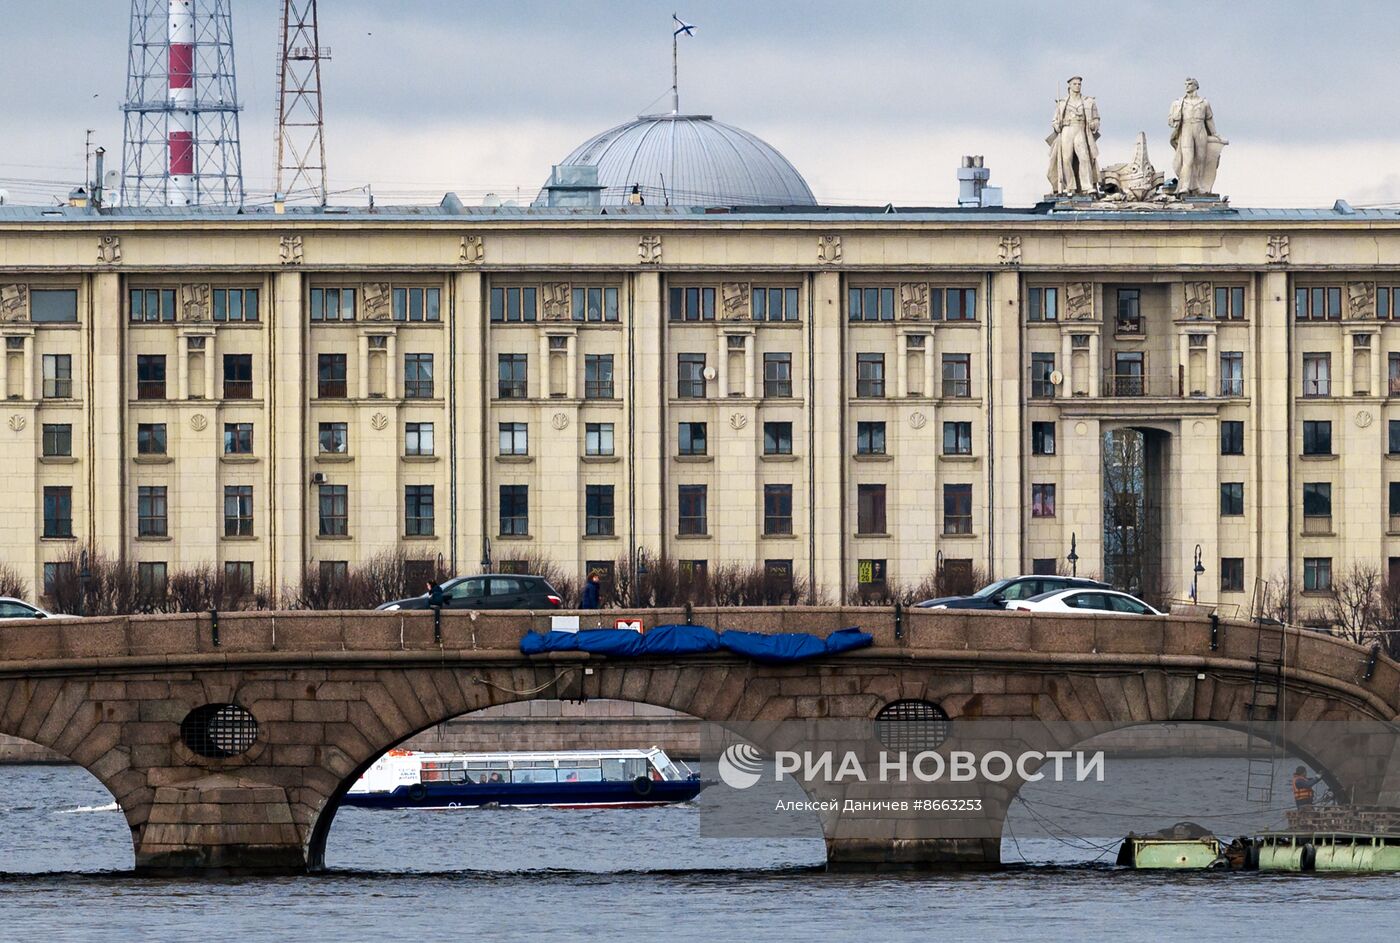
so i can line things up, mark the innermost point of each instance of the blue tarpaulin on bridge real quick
(696, 640)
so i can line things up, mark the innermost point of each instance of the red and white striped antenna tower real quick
(301, 128)
(181, 145)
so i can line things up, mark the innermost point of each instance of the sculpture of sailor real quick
(1197, 145)
(1073, 140)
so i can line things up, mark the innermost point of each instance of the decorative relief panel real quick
(194, 302)
(14, 302)
(557, 301)
(1199, 301)
(293, 250)
(738, 420)
(560, 421)
(1010, 250)
(18, 422)
(1361, 300)
(1079, 301)
(109, 250)
(828, 249)
(734, 301)
(198, 423)
(379, 422)
(918, 420)
(1278, 250)
(378, 302)
(649, 250)
(913, 301)
(472, 251)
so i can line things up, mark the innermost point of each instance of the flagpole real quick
(675, 87)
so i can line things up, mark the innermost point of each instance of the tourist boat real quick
(565, 779)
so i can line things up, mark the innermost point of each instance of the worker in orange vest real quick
(1303, 788)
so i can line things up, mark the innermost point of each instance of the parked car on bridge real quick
(12, 608)
(997, 595)
(489, 591)
(1086, 600)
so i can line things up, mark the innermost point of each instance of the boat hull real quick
(591, 795)
(1173, 854)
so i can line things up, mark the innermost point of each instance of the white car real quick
(12, 608)
(1085, 600)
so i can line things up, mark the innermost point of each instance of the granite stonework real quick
(330, 692)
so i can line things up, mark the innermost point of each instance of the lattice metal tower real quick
(181, 146)
(301, 129)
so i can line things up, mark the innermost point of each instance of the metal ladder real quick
(1264, 708)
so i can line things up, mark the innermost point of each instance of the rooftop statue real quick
(1073, 140)
(1197, 145)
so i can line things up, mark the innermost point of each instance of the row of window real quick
(1043, 304)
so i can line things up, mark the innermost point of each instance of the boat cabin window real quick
(569, 774)
(443, 771)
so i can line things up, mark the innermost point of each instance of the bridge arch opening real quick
(56, 816)
(657, 837)
(1157, 775)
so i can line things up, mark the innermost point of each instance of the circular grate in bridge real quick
(219, 730)
(912, 726)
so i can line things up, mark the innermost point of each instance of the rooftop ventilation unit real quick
(972, 184)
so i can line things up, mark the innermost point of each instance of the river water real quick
(495, 875)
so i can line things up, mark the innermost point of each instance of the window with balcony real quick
(58, 511)
(1322, 303)
(1232, 437)
(238, 438)
(598, 510)
(957, 376)
(330, 376)
(1043, 499)
(598, 439)
(238, 376)
(1129, 314)
(1042, 365)
(598, 376)
(692, 304)
(692, 438)
(1317, 437)
(58, 376)
(777, 438)
(870, 376)
(418, 438)
(513, 303)
(58, 440)
(957, 509)
(514, 438)
(1231, 498)
(594, 303)
(691, 503)
(511, 376)
(1317, 507)
(1317, 574)
(1232, 373)
(870, 438)
(775, 304)
(957, 438)
(777, 510)
(1317, 374)
(777, 375)
(1042, 438)
(235, 304)
(417, 304)
(418, 376)
(334, 516)
(332, 304)
(870, 304)
(515, 510)
(332, 438)
(1232, 574)
(150, 376)
(151, 511)
(238, 510)
(151, 305)
(1229, 303)
(690, 376)
(870, 510)
(1129, 374)
(1043, 304)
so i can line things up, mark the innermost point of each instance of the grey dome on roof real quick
(690, 160)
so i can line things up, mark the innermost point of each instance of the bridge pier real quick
(220, 824)
(912, 854)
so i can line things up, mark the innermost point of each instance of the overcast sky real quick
(873, 101)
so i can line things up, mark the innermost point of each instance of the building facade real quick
(849, 396)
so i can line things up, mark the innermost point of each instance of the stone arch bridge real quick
(330, 692)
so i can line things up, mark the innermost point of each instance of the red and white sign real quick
(633, 625)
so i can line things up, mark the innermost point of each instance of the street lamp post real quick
(1196, 572)
(486, 554)
(1073, 557)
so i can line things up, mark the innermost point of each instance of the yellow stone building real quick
(854, 395)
